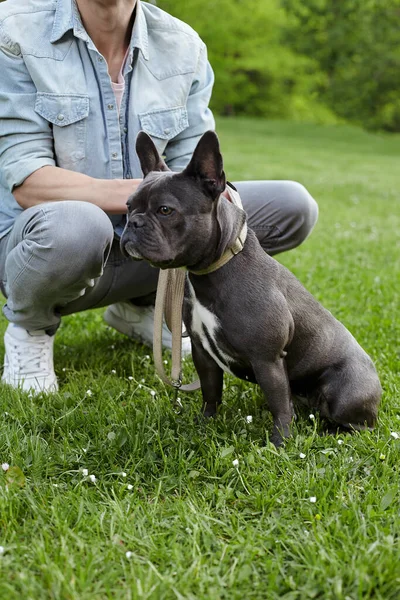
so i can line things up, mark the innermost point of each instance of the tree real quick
(356, 43)
(255, 73)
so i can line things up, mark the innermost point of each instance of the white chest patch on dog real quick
(205, 325)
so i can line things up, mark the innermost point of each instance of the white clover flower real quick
(235, 462)
(394, 435)
(64, 369)
(140, 386)
(143, 380)
(340, 442)
(249, 419)
(123, 474)
(113, 371)
(112, 347)
(152, 393)
(92, 478)
(165, 362)
(302, 455)
(85, 472)
(129, 486)
(312, 417)
(5, 466)
(313, 499)
(2, 549)
(130, 378)
(89, 393)
(128, 554)
(147, 357)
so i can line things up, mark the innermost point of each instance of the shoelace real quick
(31, 358)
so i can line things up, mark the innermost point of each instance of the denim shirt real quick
(57, 106)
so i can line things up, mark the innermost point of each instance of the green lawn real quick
(195, 526)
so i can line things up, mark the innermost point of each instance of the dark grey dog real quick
(251, 317)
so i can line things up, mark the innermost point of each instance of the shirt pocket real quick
(164, 124)
(67, 115)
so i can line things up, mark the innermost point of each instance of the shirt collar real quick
(63, 20)
(67, 18)
(140, 38)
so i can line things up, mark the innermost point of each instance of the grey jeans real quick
(62, 257)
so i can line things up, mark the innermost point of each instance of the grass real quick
(195, 526)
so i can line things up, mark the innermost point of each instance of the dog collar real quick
(238, 245)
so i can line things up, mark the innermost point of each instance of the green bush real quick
(356, 44)
(255, 73)
(320, 60)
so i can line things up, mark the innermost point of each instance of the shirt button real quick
(167, 131)
(110, 106)
(100, 59)
(60, 117)
(125, 130)
(114, 154)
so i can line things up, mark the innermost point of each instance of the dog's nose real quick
(136, 221)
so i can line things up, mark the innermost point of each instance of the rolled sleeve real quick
(179, 150)
(26, 140)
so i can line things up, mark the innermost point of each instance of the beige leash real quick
(169, 302)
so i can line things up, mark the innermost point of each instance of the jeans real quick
(62, 257)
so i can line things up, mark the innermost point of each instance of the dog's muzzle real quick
(128, 249)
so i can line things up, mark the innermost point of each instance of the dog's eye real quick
(165, 211)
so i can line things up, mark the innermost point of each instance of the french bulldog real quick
(250, 317)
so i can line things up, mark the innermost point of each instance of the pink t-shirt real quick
(119, 86)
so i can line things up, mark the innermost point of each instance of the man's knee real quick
(58, 244)
(74, 225)
(302, 210)
(80, 235)
(70, 232)
(298, 216)
(282, 213)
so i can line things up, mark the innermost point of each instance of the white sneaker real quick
(138, 322)
(28, 360)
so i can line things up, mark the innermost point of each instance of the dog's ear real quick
(206, 164)
(230, 219)
(150, 160)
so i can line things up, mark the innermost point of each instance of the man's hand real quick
(50, 184)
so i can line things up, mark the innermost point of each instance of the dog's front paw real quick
(276, 439)
(279, 435)
(209, 410)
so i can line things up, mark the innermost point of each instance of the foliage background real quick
(323, 61)
(307, 60)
